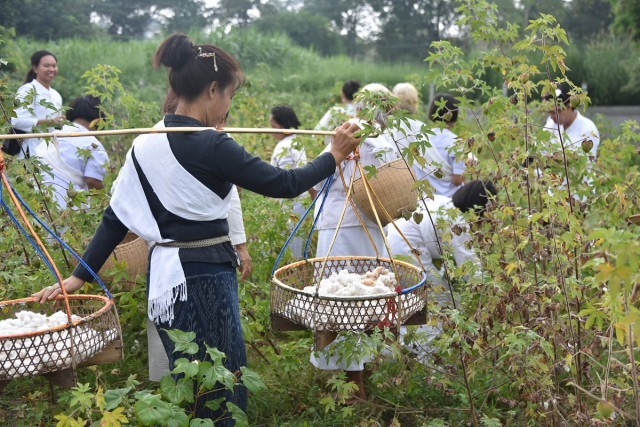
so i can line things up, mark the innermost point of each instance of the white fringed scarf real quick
(181, 194)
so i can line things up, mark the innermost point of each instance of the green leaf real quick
(224, 376)
(214, 404)
(216, 355)
(207, 376)
(114, 397)
(177, 391)
(114, 419)
(81, 397)
(199, 422)
(329, 404)
(238, 415)
(177, 417)
(152, 411)
(186, 367)
(251, 380)
(67, 421)
(183, 341)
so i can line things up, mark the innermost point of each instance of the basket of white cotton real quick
(42, 342)
(347, 293)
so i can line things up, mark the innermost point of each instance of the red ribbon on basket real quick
(392, 309)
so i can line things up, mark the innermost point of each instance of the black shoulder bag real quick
(12, 146)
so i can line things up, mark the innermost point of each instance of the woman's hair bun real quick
(175, 52)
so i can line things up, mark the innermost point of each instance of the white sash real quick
(181, 194)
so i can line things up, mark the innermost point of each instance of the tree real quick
(192, 14)
(237, 11)
(587, 18)
(533, 8)
(127, 18)
(304, 29)
(132, 18)
(348, 16)
(411, 26)
(44, 19)
(627, 18)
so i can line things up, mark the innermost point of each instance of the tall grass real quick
(293, 75)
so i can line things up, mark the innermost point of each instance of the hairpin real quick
(202, 54)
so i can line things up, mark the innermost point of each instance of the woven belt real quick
(196, 243)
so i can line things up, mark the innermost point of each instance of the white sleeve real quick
(24, 119)
(325, 121)
(236, 225)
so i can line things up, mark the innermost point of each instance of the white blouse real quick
(27, 117)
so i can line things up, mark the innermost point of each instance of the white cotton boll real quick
(388, 280)
(331, 288)
(344, 292)
(345, 279)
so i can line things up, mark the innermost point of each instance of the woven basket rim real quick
(391, 164)
(109, 304)
(279, 283)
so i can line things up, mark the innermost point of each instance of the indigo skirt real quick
(212, 312)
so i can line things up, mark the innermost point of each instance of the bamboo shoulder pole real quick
(140, 131)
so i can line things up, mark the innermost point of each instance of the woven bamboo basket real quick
(335, 314)
(392, 189)
(93, 339)
(134, 252)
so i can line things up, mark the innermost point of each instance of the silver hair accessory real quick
(202, 54)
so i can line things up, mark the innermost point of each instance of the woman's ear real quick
(213, 87)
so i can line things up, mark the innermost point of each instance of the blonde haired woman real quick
(407, 95)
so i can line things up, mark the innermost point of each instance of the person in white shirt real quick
(448, 177)
(289, 154)
(580, 138)
(575, 128)
(352, 239)
(77, 163)
(338, 114)
(442, 230)
(410, 131)
(41, 104)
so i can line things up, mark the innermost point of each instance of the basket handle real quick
(325, 189)
(51, 264)
(37, 244)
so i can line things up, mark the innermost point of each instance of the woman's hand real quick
(71, 284)
(245, 266)
(344, 142)
(54, 121)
